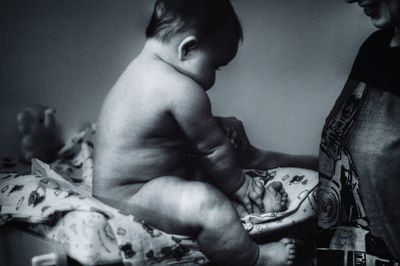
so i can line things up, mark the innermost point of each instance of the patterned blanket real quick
(55, 200)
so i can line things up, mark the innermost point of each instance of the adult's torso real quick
(360, 146)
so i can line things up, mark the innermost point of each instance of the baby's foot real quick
(275, 199)
(279, 253)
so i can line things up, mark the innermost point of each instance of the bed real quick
(50, 207)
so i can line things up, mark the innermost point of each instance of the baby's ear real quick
(186, 46)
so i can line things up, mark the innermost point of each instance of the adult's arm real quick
(251, 157)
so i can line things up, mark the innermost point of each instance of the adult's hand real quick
(234, 130)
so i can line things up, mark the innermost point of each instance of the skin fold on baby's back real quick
(137, 137)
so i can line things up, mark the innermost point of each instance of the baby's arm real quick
(192, 110)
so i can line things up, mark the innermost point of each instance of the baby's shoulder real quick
(163, 84)
(185, 86)
(178, 87)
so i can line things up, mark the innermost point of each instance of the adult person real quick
(361, 138)
(359, 159)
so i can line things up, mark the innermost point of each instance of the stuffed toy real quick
(39, 134)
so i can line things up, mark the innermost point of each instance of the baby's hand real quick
(251, 192)
(234, 131)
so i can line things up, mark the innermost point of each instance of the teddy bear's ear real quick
(49, 120)
(24, 119)
(50, 110)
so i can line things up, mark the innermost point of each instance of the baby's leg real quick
(197, 209)
(278, 253)
(275, 200)
(275, 197)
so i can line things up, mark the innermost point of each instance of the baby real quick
(156, 126)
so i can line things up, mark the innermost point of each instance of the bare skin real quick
(278, 249)
(275, 200)
(157, 114)
(251, 157)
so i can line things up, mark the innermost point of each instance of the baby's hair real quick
(198, 17)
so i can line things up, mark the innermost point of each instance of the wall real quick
(289, 70)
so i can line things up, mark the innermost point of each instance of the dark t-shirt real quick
(360, 146)
(377, 64)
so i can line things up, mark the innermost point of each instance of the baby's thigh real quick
(176, 205)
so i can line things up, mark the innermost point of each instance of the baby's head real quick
(204, 35)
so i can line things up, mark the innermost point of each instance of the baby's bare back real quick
(137, 137)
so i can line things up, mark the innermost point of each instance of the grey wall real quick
(289, 70)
